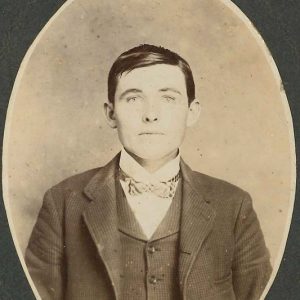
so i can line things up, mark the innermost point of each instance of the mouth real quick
(151, 133)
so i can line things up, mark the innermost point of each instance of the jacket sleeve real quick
(251, 264)
(44, 254)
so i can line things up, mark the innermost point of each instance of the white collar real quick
(132, 168)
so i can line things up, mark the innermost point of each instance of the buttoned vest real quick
(149, 267)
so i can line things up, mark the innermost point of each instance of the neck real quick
(152, 165)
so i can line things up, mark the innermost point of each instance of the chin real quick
(152, 154)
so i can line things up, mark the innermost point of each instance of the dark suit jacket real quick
(73, 252)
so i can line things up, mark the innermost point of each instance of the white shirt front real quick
(148, 209)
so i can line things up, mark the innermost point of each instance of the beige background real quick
(56, 128)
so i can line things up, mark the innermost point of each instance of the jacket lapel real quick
(102, 220)
(196, 223)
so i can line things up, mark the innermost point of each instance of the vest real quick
(149, 267)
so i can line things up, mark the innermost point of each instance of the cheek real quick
(177, 120)
(127, 120)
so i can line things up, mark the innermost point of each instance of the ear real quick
(109, 112)
(193, 113)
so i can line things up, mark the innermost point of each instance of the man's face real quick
(151, 110)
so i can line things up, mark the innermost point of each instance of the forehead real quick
(153, 77)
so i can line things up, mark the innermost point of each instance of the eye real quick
(131, 99)
(169, 98)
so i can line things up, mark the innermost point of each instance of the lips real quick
(151, 133)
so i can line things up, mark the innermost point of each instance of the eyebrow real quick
(130, 91)
(170, 89)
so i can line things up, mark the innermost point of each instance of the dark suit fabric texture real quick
(149, 267)
(75, 250)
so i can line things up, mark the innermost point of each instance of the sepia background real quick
(55, 126)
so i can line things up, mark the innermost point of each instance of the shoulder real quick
(57, 196)
(97, 175)
(229, 202)
(78, 181)
(220, 193)
(216, 185)
(76, 187)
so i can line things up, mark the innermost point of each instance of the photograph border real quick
(278, 25)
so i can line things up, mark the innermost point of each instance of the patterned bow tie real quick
(164, 189)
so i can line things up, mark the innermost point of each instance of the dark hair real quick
(148, 55)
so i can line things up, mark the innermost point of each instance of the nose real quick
(151, 113)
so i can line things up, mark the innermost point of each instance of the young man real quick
(146, 226)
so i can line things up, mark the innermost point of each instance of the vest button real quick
(151, 249)
(153, 280)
